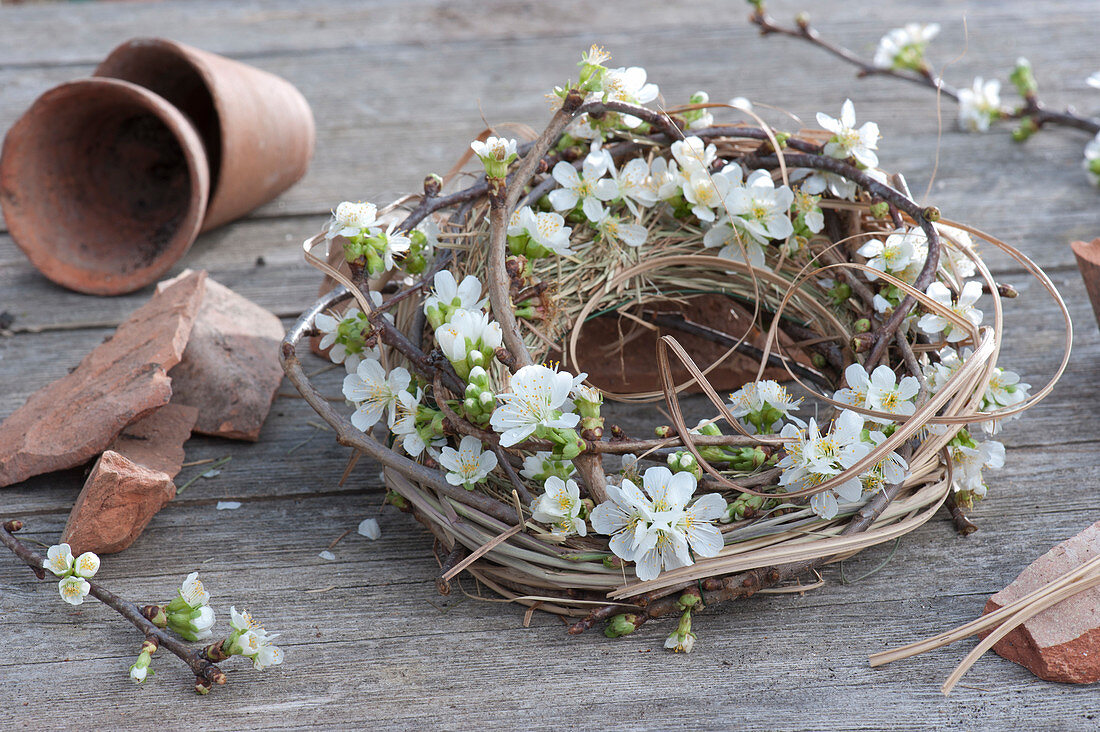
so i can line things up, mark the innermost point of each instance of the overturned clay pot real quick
(257, 128)
(103, 185)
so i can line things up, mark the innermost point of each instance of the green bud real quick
(781, 138)
(1023, 78)
(862, 325)
(880, 210)
(1094, 166)
(621, 625)
(1026, 129)
(817, 360)
(396, 500)
(840, 293)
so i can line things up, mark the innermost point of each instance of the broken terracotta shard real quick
(1062, 643)
(69, 421)
(156, 440)
(230, 370)
(119, 499)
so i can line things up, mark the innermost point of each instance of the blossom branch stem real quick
(498, 280)
(203, 669)
(962, 522)
(1032, 109)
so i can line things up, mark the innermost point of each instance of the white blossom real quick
(1094, 80)
(903, 48)
(539, 398)
(805, 205)
(406, 409)
(613, 228)
(495, 149)
(629, 85)
(693, 155)
(374, 392)
(886, 394)
(193, 592)
(59, 560)
(963, 307)
(586, 186)
(468, 331)
(969, 461)
(847, 141)
(816, 182)
(73, 589)
(86, 565)
(894, 254)
(631, 184)
(732, 246)
(764, 399)
(469, 464)
(450, 293)
(665, 179)
(548, 229)
(252, 641)
(979, 105)
(393, 245)
(560, 507)
(813, 458)
(761, 208)
(706, 191)
(655, 529)
(351, 219)
(741, 103)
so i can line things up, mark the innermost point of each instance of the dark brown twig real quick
(962, 522)
(1033, 109)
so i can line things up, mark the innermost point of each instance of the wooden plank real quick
(372, 650)
(356, 129)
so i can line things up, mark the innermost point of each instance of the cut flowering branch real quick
(205, 672)
(1033, 109)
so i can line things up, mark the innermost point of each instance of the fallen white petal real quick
(370, 529)
(327, 555)
(228, 505)
(211, 473)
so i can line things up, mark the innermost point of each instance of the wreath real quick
(461, 319)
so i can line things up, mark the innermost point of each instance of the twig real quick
(203, 669)
(962, 522)
(1033, 109)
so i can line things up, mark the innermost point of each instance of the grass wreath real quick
(461, 320)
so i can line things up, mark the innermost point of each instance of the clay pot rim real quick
(182, 53)
(61, 271)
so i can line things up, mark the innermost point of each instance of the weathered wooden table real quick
(398, 89)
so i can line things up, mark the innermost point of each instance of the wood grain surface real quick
(398, 89)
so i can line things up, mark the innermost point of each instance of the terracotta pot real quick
(103, 185)
(257, 128)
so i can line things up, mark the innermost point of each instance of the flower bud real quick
(621, 625)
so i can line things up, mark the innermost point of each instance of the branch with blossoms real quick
(188, 615)
(901, 55)
(503, 457)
